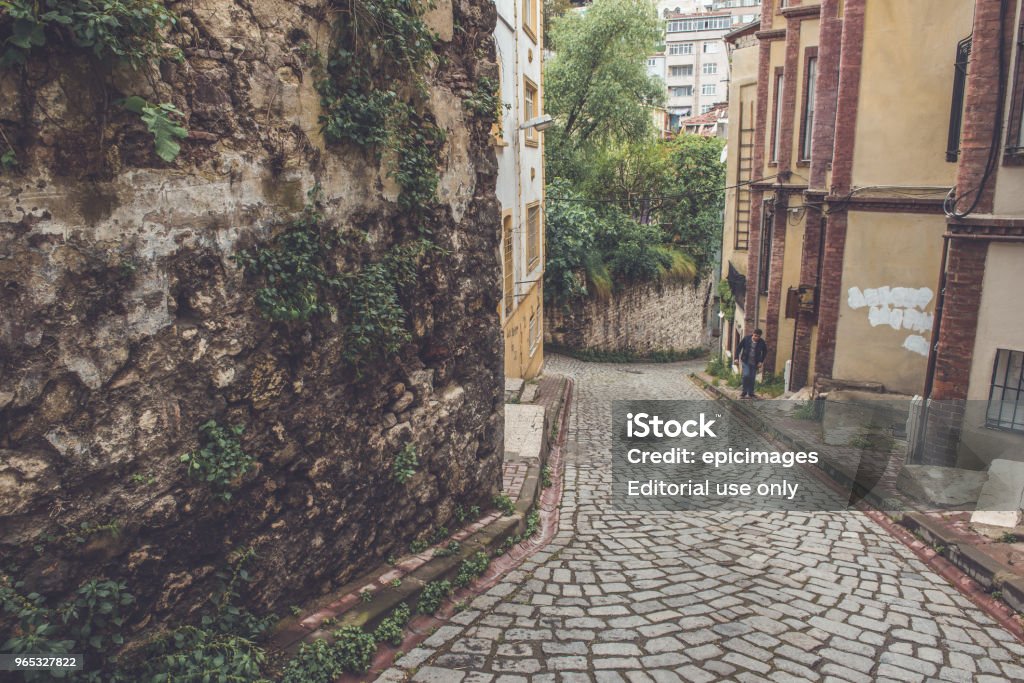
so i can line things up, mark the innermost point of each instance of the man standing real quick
(752, 351)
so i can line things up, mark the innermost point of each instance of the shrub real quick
(221, 460)
(355, 648)
(471, 568)
(504, 504)
(126, 31)
(434, 593)
(452, 548)
(404, 464)
(391, 629)
(315, 662)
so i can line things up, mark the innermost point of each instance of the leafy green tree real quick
(693, 212)
(597, 84)
(553, 9)
(634, 175)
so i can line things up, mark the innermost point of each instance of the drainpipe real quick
(929, 376)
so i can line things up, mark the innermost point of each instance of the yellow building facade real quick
(519, 148)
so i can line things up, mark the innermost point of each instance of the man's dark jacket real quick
(760, 351)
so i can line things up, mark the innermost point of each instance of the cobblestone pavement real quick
(689, 596)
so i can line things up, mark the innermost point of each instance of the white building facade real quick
(696, 63)
(520, 189)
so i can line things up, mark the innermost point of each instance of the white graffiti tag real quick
(899, 308)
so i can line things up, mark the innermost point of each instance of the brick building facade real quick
(877, 208)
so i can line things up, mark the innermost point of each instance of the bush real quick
(504, 504)
(391, 629)
(355, 649)
(315, 662)
(808, 410)
(125, 31)
(404, 464)
(221, 460)
(471, 568)
(772, 385)
(434, 593)
(719, 367)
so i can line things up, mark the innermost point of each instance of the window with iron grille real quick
(956, 113)
(1006, 397)
(764, 272)
(533, 235)
(510, 287)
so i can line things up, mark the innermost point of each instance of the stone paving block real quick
(623, 596)
(433, 674)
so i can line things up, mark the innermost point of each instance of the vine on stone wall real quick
(373, 92)
(301, 282)
(107, 31)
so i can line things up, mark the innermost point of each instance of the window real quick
(685, 70)
(652, 62)
(700, 24)
(1006, 397)
(530, 110)
(807, 124)
(705, 108)
(530, 18)
(711, 48)
(1015, 126)
(777, 123)
(764, 272)
(710, 68)
(534, 333)
(956, 113)
(533, 235)
(680, 48)
(708, 89)
(509, 275)
(682, 91)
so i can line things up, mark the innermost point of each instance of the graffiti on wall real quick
(901, 308)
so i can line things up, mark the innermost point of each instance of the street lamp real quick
(721, 334)
(540, 123)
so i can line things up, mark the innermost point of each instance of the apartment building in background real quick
(876, 229)
(696, 64)
(519, 43)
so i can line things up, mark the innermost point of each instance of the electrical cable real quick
(662, 197)
(950, 202)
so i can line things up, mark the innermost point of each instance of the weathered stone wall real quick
(664, 316)
(124, 323)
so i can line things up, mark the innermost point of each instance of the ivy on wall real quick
(107, 31)
(373, 92)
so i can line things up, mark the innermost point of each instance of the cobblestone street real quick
(696, 596)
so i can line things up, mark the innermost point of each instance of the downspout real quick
(929, 376)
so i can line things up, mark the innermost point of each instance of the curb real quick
(416, 571)
(970, 571)
(421, 627)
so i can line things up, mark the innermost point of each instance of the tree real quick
(553, 9)
(597, 84)
(693, 210)
(635, 175)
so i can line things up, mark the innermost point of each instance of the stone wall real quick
(125, 324)
(664, 316)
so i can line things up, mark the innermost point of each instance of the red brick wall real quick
(965, 271)
(773, 310)
(980, 106)
(842, 174)
(825, 99)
